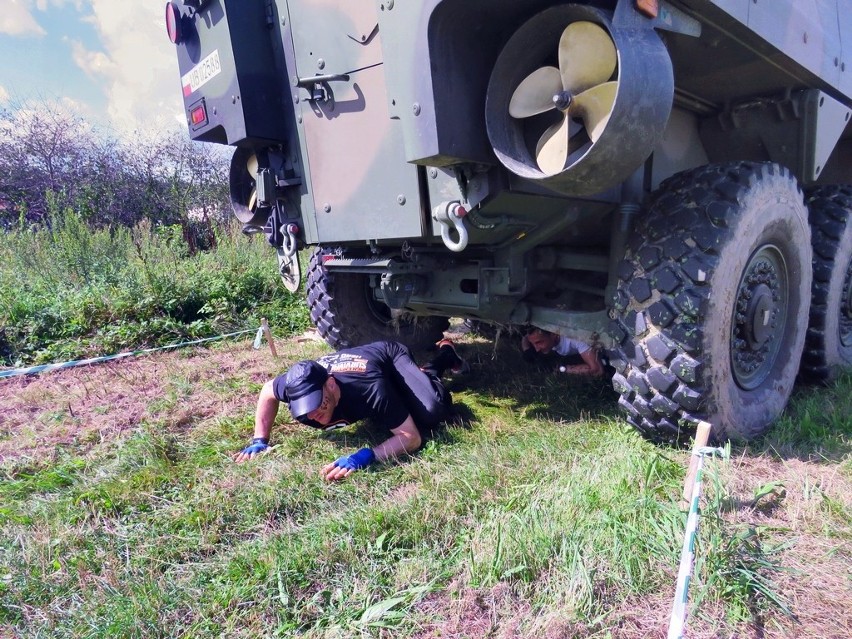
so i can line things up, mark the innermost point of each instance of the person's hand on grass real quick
(257, 446)
(331, 472)
(344, 466)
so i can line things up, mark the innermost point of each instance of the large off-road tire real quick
(346, 314)
(712, 303)
(828, 347)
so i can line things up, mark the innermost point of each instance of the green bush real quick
(70, 291)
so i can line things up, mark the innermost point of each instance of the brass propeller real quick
(251, 166)
(579, 88)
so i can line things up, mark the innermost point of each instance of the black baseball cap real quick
(303, 386)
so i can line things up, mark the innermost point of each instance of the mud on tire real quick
(345, 313)
(828, 346)
(712, 303)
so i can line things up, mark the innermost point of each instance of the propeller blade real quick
(251, 166)
(252, 201)
(587, 56)
(551, 152)
(535, 93)
(594, 107)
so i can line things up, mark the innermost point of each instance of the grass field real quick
(537, 514)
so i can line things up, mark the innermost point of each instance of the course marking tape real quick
(258, 338)
(687, 555)
(44, 368)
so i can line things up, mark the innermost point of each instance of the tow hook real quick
(451, 213)
(288, 231)
(288, 262)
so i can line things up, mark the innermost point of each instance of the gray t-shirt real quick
(568, 346)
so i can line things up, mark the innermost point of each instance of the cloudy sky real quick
(110, 59)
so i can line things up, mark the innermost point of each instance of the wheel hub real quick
(760, 314)
(562, 100)
(846, 309)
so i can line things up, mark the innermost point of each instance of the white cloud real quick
(137, 64)
(76, 109)
(132, 60)
(4, 94)
(69, 114)
(95, 64)
(43, 5)
(16, 19)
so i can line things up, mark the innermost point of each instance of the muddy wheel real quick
(712, 303)
(828, 347)
(346, 314)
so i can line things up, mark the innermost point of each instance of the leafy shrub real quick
(69, 290)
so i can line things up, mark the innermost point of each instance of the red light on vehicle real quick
(173, 22)
(198, 114)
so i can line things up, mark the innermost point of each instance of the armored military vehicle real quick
(664, 178)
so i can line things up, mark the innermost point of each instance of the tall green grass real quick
(166, 537)
(72, 291)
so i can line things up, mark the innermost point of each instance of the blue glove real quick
(357, 461)
(258, 445)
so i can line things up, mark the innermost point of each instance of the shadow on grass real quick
(500, 375)
(366, 433)
(499, 379)
(816, 426)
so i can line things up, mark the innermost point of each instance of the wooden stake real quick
(268, 334)
(702, 436)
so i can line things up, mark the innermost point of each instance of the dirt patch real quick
(464, 612)
(815, 580)
(83, 406)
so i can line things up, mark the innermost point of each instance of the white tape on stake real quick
(44, 368)
(264, 327)
(687, 555)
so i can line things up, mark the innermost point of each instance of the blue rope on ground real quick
(44, 368)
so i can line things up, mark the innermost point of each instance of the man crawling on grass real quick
(580, 358)
(379, 381)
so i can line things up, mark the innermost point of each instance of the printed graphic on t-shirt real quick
(344, 363)
(340, 423)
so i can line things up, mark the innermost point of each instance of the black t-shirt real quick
(367, 378)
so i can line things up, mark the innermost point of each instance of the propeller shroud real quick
(614, 119)
(243, 190)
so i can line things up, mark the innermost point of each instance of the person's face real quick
(322, 413)
(542, 342)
